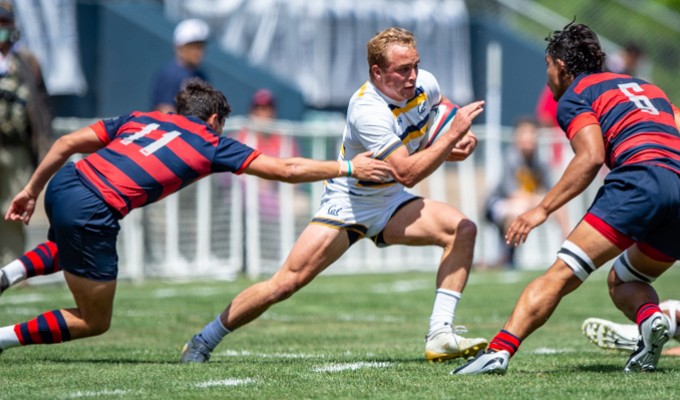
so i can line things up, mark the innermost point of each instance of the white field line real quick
(100, 393)
(225, 382)
(548, 351)
(351, 366)
(245, 353)
(23, 311)
(24, 298)
(403, 286)
(270, 316)
(194, 292)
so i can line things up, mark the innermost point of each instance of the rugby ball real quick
(439, 121)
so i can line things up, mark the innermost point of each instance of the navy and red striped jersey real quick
(148, 156)
(636, 118)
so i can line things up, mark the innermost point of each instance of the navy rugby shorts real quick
(84, 228)
(642, 202)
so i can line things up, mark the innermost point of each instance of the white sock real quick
(213, 333)
(15, 272)
(444, 309)
(8, 338)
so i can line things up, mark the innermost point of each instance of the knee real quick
(98, 326)
(466, 230)
(284, 288)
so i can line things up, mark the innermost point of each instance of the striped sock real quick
(43, 260)
(645, 311)
(505, 340)
(49, 327)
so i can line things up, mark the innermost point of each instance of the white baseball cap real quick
(190, 31)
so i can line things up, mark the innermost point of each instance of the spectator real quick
(257, 134)
(260, 134)
(525, 179)
(189, 40)
(25, 125)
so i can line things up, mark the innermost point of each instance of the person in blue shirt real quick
(189, 38)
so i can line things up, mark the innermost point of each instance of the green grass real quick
(373, 323)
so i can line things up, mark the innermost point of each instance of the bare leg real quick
(427, 222)
(94, 302)
(629, 296)
(92, 316)
(316, 249)
(541, 297)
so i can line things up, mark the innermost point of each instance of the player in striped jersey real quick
(134, 160)
(387, 116)
(631, 126)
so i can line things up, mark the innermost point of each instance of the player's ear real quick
(375, 71)
(215, 123)
(562, 67)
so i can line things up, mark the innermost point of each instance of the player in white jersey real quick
(388, 117)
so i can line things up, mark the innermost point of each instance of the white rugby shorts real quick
(365, 216)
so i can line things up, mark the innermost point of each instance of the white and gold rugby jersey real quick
(379, 124)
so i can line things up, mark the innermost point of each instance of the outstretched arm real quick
(298, 169)
(84, 140)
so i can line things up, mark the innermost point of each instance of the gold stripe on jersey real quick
(412, 132)
(415, 101)
(362, 89)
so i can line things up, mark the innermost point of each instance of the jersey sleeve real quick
(233, 156)
(431, 86)
(374, 127)
(574, 113)
(107, 129)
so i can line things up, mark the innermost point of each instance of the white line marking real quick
(193, 292)
(24, 298)
(548, 350)
(116, 392)
(225, 382)
(245, 353)
(351, 366)
(403, 286)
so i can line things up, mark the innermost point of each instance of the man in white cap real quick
(189, 39)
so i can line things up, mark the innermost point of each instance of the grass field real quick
(348, 337)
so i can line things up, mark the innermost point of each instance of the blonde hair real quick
(379, 44)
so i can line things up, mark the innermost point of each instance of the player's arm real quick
(589, 155)
(411, 169)
(83, 140)
(298, 169)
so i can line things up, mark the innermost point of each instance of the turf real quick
(345, 337)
